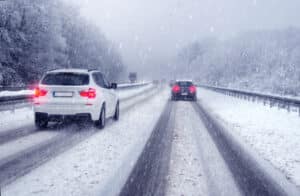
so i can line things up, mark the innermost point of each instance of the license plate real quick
(184, 94)
(63, 94)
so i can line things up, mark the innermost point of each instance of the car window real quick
(184, 84)
(106, 82)
(66, 79)
(99, 79)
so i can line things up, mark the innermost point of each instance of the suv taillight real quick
(90, 93)
(192, 89)
(39, 92)
(176, 88)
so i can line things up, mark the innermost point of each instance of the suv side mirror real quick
(114, 85)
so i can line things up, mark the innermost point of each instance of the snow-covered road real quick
(91, 166)
(20, 141)
(177, 149)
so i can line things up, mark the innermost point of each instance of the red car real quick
(184, 90)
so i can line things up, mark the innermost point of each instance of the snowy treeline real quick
(267, 61)
(38, 35)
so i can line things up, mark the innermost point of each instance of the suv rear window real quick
(66, 79)
(185, 83)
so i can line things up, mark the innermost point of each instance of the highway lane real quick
(99, 162)
(28, 148)
(197, 168)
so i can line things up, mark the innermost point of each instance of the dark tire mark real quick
(251, 178)
(148, 176)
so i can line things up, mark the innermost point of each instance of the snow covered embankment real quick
(273, 133)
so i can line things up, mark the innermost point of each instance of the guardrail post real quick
(288, 108)
(271, 103)
(264, 101)
(13, 109)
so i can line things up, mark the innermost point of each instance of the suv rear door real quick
(112, 96)
(106, 91)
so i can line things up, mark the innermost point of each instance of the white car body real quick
(67, 100)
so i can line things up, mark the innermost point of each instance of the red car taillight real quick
(90, 93)
(176, 89)
(38, 92)
(192, 89)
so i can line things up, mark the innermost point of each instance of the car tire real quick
(117, 112)
(41, 121)
(100, 124)
(195, 98)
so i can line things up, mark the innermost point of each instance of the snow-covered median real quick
(15, 93)
(273, 133)
(97, 165)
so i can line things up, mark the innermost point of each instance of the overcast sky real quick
(150, 32)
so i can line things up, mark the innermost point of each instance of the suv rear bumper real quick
(56, 117)
(61, 112)
(192, 96)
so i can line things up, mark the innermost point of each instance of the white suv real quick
(75, 93)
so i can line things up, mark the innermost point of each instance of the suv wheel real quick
(117, 112)
(194, 98)
(41, 121)
(102, 118)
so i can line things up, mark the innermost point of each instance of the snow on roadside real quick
(124, 93)
(273, 133)
(15, 119)
(93, 164)
(16, 146)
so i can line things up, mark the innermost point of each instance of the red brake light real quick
(176, 89)
(192, 89)
(38, 92)
(90, 93)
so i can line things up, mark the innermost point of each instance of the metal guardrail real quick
(132, 85)
(15, 99)
(271, 100)
(12, 88)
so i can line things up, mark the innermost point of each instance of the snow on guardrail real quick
(267, 99)
(132, 85)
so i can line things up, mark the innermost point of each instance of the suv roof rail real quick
(52, 69)
(89, 70)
